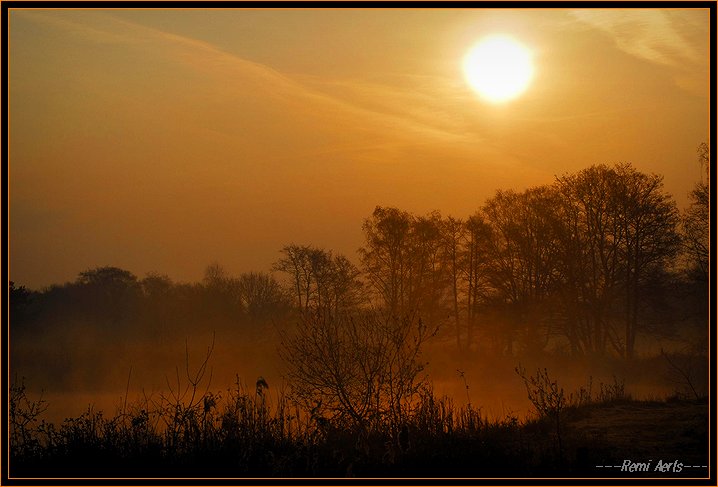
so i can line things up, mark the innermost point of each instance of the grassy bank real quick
(240, 432)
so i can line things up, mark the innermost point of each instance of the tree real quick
(359, 370)
(20, 303)
(591, 247)
(107, 278)
(296, 263)
(156, 285)
(261, 297)
(454, 234)
(159, 305)
(220, 294)
(215, 277)
(695, 221)
(345, 286)
(522, 261)
(618, 224)
(320, 280)
(474, 266)
(428, 282)
(108, 292)
(386, 257)
(405, 264)
(649, 220)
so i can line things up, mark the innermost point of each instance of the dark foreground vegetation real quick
(237, 433)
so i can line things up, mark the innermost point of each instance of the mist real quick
(110, 336)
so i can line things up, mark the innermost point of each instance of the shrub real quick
(546, 396)
(361, 372)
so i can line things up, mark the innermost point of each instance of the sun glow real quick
(498, 68)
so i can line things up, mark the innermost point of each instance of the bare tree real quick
(320, 280)
(696, 220)
(404, 261)
(386, 257)
(361, 371)
(429, 271)
(345, 287)
(261, 297)
(591, 249)
(215, 276)
(474, 266)
(649, 219)
(296, 263)
(618, 223)
(454, 235)
(522, 261)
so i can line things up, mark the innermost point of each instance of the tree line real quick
(586, 264)
(113, 302)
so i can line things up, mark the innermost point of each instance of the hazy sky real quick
(164, 140)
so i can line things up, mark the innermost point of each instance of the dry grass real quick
(243, 432)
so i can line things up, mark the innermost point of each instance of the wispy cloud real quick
(381, 107)
(648, 34)
(658, 36)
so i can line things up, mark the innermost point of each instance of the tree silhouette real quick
(696, 220)
(454, 234)
(475, 269)
(619, 223)
(522, 261)
(386, 257)
(359, 371)
(320, 280)
(261, 297)
(108, 292)
(649, 220)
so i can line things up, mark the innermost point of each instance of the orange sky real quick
(163, 140)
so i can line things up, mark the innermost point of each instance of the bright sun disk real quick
(498, 68)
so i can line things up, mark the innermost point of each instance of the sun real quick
(499, 68)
